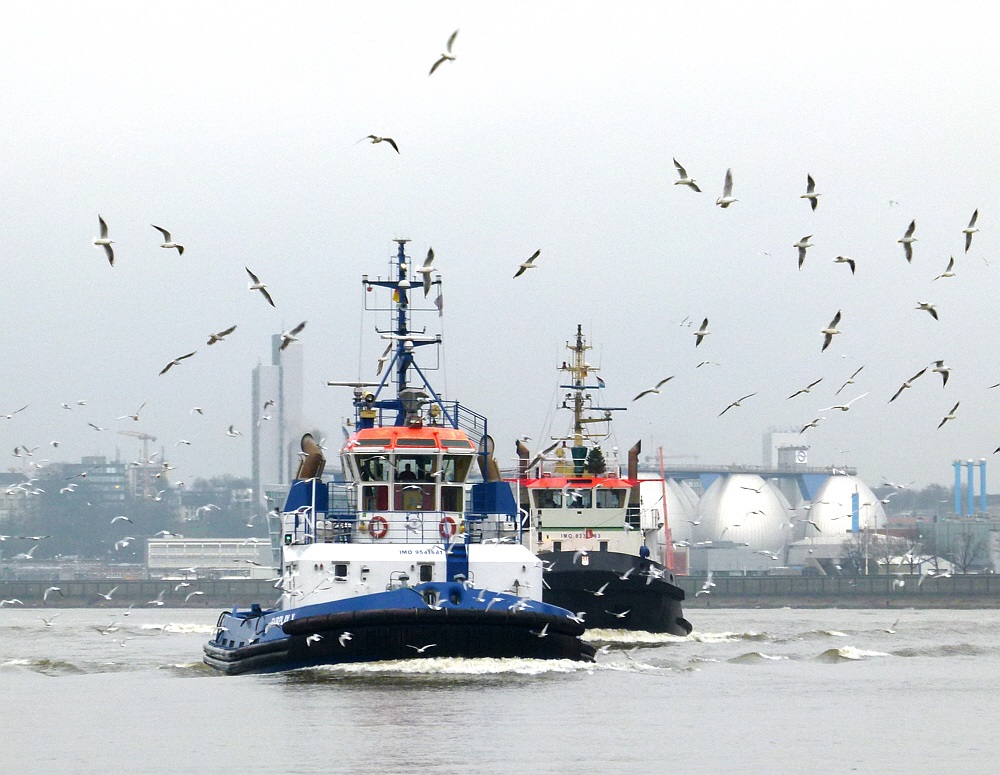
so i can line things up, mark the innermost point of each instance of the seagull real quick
(685, 180)
(121, 517)
(949, 416)
(213, 338)
(528, 264)
(175, 362)
(95, 427)
(180, 586)
(197, 409)
(189, 595)
(446, 57)
(943, 370)
(849, 381)
(311, 639)
(133, 416)
(701, 333)
(158, 601)
(948, 272)
(802, 244)
(421, 649)
(736, 403)
(845, 407)
(694, 522)
(727, 192)
(233, 433)
(167, 240)
(928, 307)
(104, 242)
(289, 336)
(45, 596)
(752, 489)
(908, 240)
(907, 384)
(425, 271)
(344, 637)
(578, 554)
(377, 139)
(621, 615)
(845, 260)
(599, 592)
(11, 415)
(108, 596)
(257, 285)
(27, 556)
(624, 576)
(830, 331)
(12, 601)
(543, 633)
(806, 389)
(810, 193)
(969, 230)
(48, 622)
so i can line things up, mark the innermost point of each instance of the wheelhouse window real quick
(579, 499)
(549, 498)
(414, 497)
(414, 468)
(610, 499)
(372, 468)
(455, 468)
(374, 498)
(451, 498)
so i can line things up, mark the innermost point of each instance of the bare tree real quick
(968, 551)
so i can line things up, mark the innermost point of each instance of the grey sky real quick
(235, 126)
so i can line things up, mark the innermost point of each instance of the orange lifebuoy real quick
(447, 528)
(378, 527)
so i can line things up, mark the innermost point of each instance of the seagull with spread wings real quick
(213, 338)
(971, 229)
(802, 244)
(908, 239)
(850, 381)
(944, 371)
(447, 56)
(949, 272)
(104, 242)
(377, 139)
(290, 336)
(168, 241)
(727, 197)
(176, 362)
(257, 285)
(845, 260)
(529, 264)
(701, 333)
(684, 178)
(810, 193)
(950, 415)
(908, 383)
(426, 270)
(845, 407)
(806, 389)
(830, 331)
(736, 403)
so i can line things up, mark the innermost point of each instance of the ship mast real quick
(581, 402)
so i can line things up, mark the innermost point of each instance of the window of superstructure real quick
(548, 498)
(610, 498)
(372, 468)
(414, 468)
(579, 499)
(455, 468)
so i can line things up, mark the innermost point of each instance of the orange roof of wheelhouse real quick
(410, 439)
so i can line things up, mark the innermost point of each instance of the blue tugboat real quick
(406, 558)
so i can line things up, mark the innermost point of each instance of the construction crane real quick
(145, 438)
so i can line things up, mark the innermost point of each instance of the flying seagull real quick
(167, 240)
(908, 240)
(928, 307)
(849, 381)
(377, 139)
(134, 416)
(907, 384)
(45, 596)
(969, 230)
(701, 333)
(232, 432)
(421, 649)
(845, 407)
(813, 424)
(445, 57)
(257, 285)
(736, 403)
(727, 192)
(426, 271)
(802, 244)
(176, 361)
(830, 331)
(949, 271)
(11, 415)
(950, 415)
(528, 264)
(685, 179)
(810, 193)
(289, 336)
(126, 519)
(806, 389)
(104, 242)
(213, 338)
(845, 260)
(944, 371)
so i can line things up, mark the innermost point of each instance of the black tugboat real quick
(604, 538)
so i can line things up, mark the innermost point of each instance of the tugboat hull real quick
(653, 604)
(393, 634)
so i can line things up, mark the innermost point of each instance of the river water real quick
(750, 691)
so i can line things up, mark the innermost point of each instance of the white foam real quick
(460, 666)
(724, 637)
(204, 629)
(630, 636)
(850, 652)
(15, 662)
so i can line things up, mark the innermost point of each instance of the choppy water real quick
(750, 691)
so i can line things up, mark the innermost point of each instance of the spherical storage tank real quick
(831, 510)
(745, 509)
(679, 509)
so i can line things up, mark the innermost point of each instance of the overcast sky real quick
(236, 125)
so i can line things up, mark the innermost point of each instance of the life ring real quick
(378, 527)
(447, 528)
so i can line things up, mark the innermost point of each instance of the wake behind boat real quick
(406, 558)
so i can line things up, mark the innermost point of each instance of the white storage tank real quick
(831, 511)
(745, 509)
